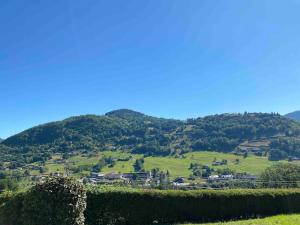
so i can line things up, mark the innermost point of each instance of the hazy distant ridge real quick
(294, 115)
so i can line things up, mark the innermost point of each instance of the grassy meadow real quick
(177, 166)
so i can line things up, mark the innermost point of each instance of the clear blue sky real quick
(169, 58)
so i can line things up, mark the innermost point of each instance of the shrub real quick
(58, 201)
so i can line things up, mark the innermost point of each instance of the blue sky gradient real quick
(169, 58)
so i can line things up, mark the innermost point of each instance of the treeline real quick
(135, 132)
(282, 175)
(279, 175)
(289, 145)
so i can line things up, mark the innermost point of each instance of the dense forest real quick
(138, 133)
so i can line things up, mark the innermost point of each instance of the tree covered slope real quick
(294, 115)
(138, 133)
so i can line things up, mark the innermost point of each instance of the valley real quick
(195, 151)
(83, 167)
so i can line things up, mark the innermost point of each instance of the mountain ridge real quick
(135, 132)
(294, 115)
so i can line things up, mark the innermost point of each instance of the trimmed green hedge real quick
(135, 207)
(58, 201)
(147, 207)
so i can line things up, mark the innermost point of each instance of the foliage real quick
(11, 208)
(225, 171)
(119, 205)
(224, 132)
(276, 155)
(8, 184)
(168, 207)
(289, 145)
(104, 161)
(199, 170)
(283, 175)
(135, 132)
(56, 201)
(139, 165)
(294, 115)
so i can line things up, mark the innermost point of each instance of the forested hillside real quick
(138, 133)
(294, 115)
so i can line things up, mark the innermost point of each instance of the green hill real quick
(134, 132)
(294, 115)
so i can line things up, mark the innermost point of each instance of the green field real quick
(275, 220)
(178, 167)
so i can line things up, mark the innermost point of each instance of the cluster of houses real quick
(294, 159)
(220, 177)
(146, 178)
(219, 163)
(238, 176)
(143, 177)
(98, 178)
